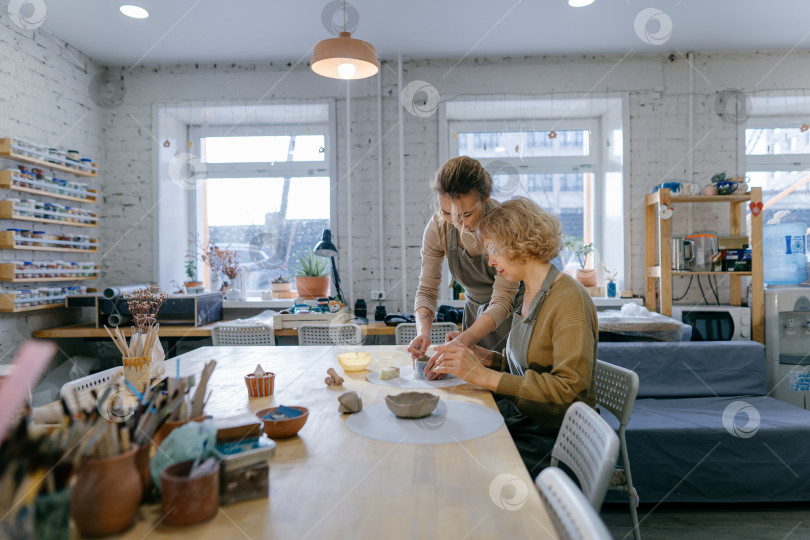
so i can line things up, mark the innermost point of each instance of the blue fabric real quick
(692, 369)
(680, 450)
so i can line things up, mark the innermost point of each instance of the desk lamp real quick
(325, 248)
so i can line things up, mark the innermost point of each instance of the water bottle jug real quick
(784, 253)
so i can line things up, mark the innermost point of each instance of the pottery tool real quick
(30, 361)
(333, 378)
(115, 340)
(199, 395)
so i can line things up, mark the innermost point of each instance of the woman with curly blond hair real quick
(550, 355)
(463, 187)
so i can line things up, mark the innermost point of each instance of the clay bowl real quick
(354, 361)
(287, 427)
(412, 404)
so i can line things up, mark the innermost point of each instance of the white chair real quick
(242, 335)
(330, 334)
(79, 386)
(572, 514)
(405, 332)
(589, 447)
(616, 390)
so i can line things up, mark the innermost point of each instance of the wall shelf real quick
(6, 182)
(7, 212)
(7, 304)
(658, 275)
(7, 151)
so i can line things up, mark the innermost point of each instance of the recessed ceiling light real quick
(136, 12)
(579, 3)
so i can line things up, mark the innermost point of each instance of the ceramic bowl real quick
(412, 404)
(419, 366)
(354, 361)
(287, 427)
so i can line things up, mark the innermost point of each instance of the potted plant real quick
(281, 287)
(581, 250)
(312, 276)
(191, 273)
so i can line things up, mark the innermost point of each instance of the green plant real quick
(191, 269)
(311, 265)
(580, 249)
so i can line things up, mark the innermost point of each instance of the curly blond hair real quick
(519, 229)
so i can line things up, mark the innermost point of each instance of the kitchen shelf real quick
(7, 274)
(658, 275)
(7, 151)
(6, 182)
(8, 305)
(7, 212)
(7, 241)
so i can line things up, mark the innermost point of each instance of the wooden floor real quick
(788, 521)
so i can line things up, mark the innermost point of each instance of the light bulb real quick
(579, 3)
(346, 70)
(136, 12)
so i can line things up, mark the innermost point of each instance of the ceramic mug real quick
(727, 187)
(419, 366)
(690, 188)
(673, 187)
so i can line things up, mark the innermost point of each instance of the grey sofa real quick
(703, 428)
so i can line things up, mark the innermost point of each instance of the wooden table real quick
(329, 482)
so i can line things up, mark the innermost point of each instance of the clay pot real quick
(286, 427)
(586, 277)
(106, 495)
(312, 287)
(193, 284)
(188, 500)
(142, 458)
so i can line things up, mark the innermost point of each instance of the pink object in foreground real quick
(30, 361)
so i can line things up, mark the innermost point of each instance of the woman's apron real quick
(533, 441)
(477, 278)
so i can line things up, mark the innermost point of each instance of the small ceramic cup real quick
(419, 366)
(260, 385)
(726, 187)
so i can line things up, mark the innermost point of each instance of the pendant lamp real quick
(344, 57)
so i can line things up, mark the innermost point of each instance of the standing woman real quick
(463, 188)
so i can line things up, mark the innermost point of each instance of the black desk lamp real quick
(325, 248)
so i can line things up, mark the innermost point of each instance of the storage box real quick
(737, 260)
(252, 482)
(297, 319)
(732, 242)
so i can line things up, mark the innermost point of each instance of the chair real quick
(589, 447)
(71, 389)
(330, 334)
(405, 332)
(616, 389)
(572, 514)
(242, 334)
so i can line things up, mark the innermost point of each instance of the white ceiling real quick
(271, 30)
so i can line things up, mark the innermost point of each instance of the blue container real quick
(784, 253)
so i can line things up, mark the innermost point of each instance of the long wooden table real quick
(329, 482)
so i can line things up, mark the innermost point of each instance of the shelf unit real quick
(10, 149)
(7, 150)
(7, 182)
(658, 278)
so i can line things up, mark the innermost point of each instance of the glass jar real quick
(53, 155)
(73, 155)
(26, 237)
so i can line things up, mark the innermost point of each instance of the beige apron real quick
(477, 278)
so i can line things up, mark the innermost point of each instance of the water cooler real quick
(787, 343)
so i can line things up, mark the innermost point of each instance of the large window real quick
(552, 162)
(777, 154)
(266, 196)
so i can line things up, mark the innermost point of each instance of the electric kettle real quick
(683, 253)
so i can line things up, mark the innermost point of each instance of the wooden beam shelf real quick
(7, 151)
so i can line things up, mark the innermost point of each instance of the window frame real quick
(288, 169)
(770, 162)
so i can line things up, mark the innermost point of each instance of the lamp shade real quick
(325, 248)
(345, 58)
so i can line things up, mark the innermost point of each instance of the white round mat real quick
(407, 379)
(452, 421)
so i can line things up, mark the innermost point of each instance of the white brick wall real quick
(44, 98)
(43, 93)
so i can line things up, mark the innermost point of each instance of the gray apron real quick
(534, 442)
(477, 278)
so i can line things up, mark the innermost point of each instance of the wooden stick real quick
(123, 338)
(112, 337)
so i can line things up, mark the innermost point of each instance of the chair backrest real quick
(330, 334)
(242, 334)
(84, 384)
(405, 332)
(616, 390)
(589, 447)
(572, 514)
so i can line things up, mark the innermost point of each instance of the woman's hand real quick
(419, 346)
(464, 364)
